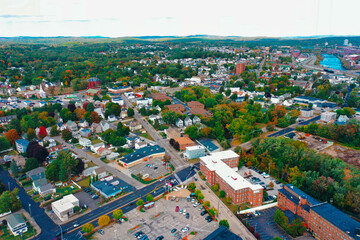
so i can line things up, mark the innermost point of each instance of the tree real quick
(71, 107)
(37, 151)
(200, 196)
(94, 118)
(149, 198)
(90, 107)
(193, 132)
(227, 92)
(197, 192)
(31, 134)
(12, 135)
(66, 134)
(233, 97)
(42, 132)
(216, 187)
(222, 194)
(210, 103)
(30, 164)
(77, 209)
(52, 172)
(191, 186)
(4, 144)
(207, 203)
(54, 131)
(271, 184)
(118, 213)
(104, 220)
(140, 202)
(9, 201)
(224, 223)
(88, 228)
(213, 211)
(228, 200)
(297, 228)
(280, 218)
(169, 117)
(14, 168)
(79, 167)
(130, 112)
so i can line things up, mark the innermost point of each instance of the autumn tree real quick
(80, 113)
(66, 134)
(88, 227)
(191, 186)
(224, 223)
(31, 134)
(12, 135)
(37, 151)
(118, 213)
(207, 203)
(104, 220)
(42, 132)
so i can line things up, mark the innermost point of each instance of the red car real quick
(177, 209)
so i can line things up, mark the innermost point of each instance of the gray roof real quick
(15, 220)
(46, 187)
(36, 173)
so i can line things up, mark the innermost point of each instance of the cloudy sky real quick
(117, 18)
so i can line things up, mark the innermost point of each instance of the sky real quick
(120, 18)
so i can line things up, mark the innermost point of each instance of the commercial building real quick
(184, 142)
(240, 67)
(160, 96)
(107, 188)
(64, 208)
(219, 168)
(17, 224)
(307, 113)
(176, 108)
(93, 82)
(328, 116)
(201, 111)
(322, 219)
(222, 233)
(194, 152)
(142, 154)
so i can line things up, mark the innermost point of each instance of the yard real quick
(5, 234)
(146, 135)
(66, 190)
(96, 141)
(84, 182)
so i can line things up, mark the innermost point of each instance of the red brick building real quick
(93, 82)
(176, 108)
(324, 221)
(160, 96)
(195, 104)
(201, 111)
(240, 67)
(219, 168)
(184, 142)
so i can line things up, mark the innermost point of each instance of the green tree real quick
(31, 134)
(140, 202)
(233, 97)
(280, 218)
(169, 117)
(118, 213)
(213, 211)
(224, 223)
(228, 200)
(222, 194)
(14, 168)
(297, 228)
(210, 103)
(227, 92)
(201, 196)
(9, 201)
(191, 186)
(130, 112)
(66, 135)
(30, 164)
(207, 203)
(54, 131)
(197, 192)
(216, 187)
(4, 144)
(149, 198)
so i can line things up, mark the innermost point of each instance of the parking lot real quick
(160, 220)
(152, 169)
(85, 198)
(266, 181)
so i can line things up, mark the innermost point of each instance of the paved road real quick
(177, 161)
(82, 154)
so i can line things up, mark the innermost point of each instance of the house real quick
(64, 208)
(96, 128)
(222, 233)
(112, 156)
(40, 184)
(93, 91)
(200, 111)
(184, 142)
(196, 120)
(135, 125)
(154, 117)
(118, 100)
(84, 142)
(96, 146)
(160, 97)
(104, 125)
(60, 126)
(195, 104)
(328, 116)
(100, 112)
(142, 154)
(139, 145)
(307, 113)
(71, 126)
(17, 224)
(85, 132)
(21, 145)
(112, 118)
(42, 104)
(100, 172)
(20, 161)
(144, 102)
(123, 113)
(187, 121)
(103, 151)
(118, 90)
(342, 120)
(83, 123)
(179, 123)
(36, 173)
(55, 149)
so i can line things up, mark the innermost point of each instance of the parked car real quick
(193, 200)
(184, 211)
(140, 233)
(209, 220)
(95, 196)
(203, 213)
(201, 208)
(208, 217)
(160, 237)
(185, 229)
(173, 230)
(177, 209)
(155, 168)
(101, 231)
(76, 225)
(180, 211)
(144, 238)
(187, 215)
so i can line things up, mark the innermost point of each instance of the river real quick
(331, 61)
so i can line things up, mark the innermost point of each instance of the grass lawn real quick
(91, 164)
(233, 208)
(65, 190)
(84, 182)
(95, 141)
(5, 234)
(37, 198)
(193, 161)
(94, 155)
(146, 135)
(78, 146)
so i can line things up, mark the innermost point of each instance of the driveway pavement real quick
(85, 198)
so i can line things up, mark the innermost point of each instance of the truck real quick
(149, 205)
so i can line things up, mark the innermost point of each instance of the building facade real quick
(240, 67)
(64, 208)
(219, 169)
(194, 152)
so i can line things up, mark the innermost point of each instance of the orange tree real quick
(104, 220)
(12, 135)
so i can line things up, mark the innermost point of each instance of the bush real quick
(222, 194)
(224, 223)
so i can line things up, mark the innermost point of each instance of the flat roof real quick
(141, 153)
(65, 203)
(107, 187)
(230, 176)
(196, 147)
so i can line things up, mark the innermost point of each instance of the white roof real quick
(229, 175)
(66, 203)
(196, 147)
(224, 155)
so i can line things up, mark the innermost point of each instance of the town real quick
(180, 139)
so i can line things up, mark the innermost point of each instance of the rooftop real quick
(141, 153)
(66, 203)
(222, 233)
(107, 187)
(15, 220)
(300, 193)
(184, 140)
(196, 147)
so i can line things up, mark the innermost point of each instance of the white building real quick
(84, 142)
(16, 224)
(307, 113)
(179, 123)
(64, 208)
(328, 116)
(194, 152)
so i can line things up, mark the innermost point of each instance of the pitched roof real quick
(15, 220)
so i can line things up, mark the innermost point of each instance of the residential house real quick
(139, 145)
(55, 149)
(83, 123)
(342, 120)
(123, 113)
(179, 123)
(153, 118)
(103, 151)
(196, 120)
(85, 132)
(60, 126)
(100, 112)
(100, 172)
(64, 208)
(42, 104)
(20, 161)
(187, 122)
(85, 142)
(21, 145)
(40, 184)
(71, 126)
(176, 108)
(144, 102)
(328, 116)
(96, 128)
(104, 125)
(195, 104)
(135, 125)
(95, 147)
(112, 118)
(17, 224)
(112, 156)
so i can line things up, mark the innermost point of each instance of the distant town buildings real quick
(240, 67)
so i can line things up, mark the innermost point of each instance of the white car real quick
(184, 211)
(185, 229)
(76, 225)
(193, 200)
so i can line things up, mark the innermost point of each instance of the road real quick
(177, 161)
(82, 154)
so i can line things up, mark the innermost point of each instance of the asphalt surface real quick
(126, 203)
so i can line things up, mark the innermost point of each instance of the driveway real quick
(85, 198)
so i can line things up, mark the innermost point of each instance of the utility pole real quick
(30, 208)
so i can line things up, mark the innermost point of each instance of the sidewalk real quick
(236, 226)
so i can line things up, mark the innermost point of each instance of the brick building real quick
(240, 67)
(219, 168)
(93, 82)
(184, 142)
(160, 96)
(176, 108)
(195, 104)
(322, 219)
(201, 111)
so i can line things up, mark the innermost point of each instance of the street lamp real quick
(30, 208)
(61, 231)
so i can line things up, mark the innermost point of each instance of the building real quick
(71, 126)
(176, 108)
(100, 172)
(184, 142)
(93, 82)
(342, 120)
(118, 100)
(64, 208)
(142, 154)
(196, 120)
(93, 91)
(322, 219)
(21, 145)
(201, 111)
(17, 224)
(107, 188)
(218, 168)
(135, 125)
(85, 142)
(85, 132)
(194, 152)
(307, 113)
(160, 96)
(240, 67)
(118, 90)
(187, 122)
(102, 151)
(328, 116)
(222, 233)
(195, 104)
(179, 123)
